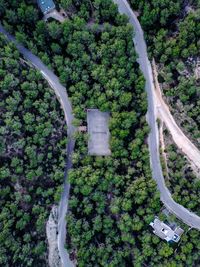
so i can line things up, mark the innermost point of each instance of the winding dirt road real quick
(180, 139)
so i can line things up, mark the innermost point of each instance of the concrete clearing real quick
(99, 134)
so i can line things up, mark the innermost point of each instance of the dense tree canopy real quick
(172, 30)
(181, 178)
(113, 199)
(32, 159)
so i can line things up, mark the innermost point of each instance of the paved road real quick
(66, 105)
(182, 213)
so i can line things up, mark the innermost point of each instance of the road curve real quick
(182, 213)
(66, 105)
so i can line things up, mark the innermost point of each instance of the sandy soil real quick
(180, 139)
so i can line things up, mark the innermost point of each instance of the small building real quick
(98, 130)
(82, 129)
(46, 5)
(165, 232)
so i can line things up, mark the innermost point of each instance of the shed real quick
(46, 5)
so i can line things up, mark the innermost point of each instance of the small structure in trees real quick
(46, 6)
(165, 232)
(98, 143)
(82, 129)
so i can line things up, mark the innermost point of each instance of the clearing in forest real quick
(99, 134)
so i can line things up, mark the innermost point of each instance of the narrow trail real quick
(179, 211)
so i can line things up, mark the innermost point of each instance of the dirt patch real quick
(51, 231)
(164, 114)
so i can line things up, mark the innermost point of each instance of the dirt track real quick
(180, 139)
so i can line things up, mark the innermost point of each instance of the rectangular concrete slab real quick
(98, 131)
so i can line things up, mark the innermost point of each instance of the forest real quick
(113, 199)
(181, 178)
(32, 159)
(172, 30)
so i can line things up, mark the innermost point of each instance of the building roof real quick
(99, 134)
(179, 231)
(165, 232)
(46, 5)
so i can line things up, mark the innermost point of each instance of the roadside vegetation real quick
(173, 36)
(113, 199)
(183, 180)
(32, 159)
